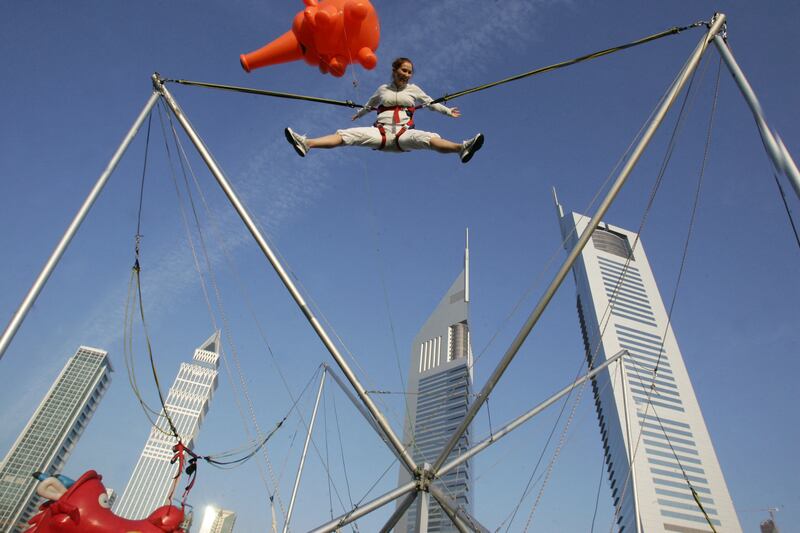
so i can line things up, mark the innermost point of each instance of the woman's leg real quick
(444, 146)
(328, 141)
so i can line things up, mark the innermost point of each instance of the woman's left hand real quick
(455, 113)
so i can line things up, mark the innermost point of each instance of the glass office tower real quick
(187, 403)
(439, 392)
(661, 463)
(51, 434)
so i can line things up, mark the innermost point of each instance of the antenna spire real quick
(466, 266)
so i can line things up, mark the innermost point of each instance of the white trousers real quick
(370, 137)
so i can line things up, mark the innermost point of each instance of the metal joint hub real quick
(424, 475)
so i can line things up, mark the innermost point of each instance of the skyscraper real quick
(217, 520)
(51, 434)
(439, 390)
(661, 463)
(187, 404)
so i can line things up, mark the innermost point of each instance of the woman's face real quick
(402, 74)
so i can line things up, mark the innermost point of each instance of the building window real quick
(457, 341)
(612, 242)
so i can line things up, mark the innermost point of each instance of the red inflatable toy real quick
(84, 508)
(330, 33)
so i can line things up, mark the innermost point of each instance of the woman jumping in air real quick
(394, 130)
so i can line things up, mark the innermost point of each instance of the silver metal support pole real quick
(44, 275)
(449, 505)
(497, 435)
(361, 409)
(358, 512)
(305, 450)
(407, 460)
(630, 448)
(423, 511)
(573, 255)
(449, 509)
(781, 158)
(399, 512)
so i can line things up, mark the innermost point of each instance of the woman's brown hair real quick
(399, 61)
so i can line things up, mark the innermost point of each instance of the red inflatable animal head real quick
(330, 34)
(84, 508)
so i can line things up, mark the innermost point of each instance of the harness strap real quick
(397, 108)
(397, 135)
(396, 120)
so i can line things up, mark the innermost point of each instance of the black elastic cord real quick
(261, 92)
(348, 103)
(555, 66)
(788, 211)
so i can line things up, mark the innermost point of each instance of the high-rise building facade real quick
(217, 520)
(187, 403)
(51, 434)
(439, 392)
(661, 463)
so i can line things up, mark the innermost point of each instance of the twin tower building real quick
(57, 424)
(662, 468)
(664, 474)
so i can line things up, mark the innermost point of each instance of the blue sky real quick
(375, 239)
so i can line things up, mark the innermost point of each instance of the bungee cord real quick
(443, 99)
(184, 164)
(262, 92)
(555, 66)
(602, 321)
(788, 211)
(636, 366)
(260, 329)
(224, 460)
(552, 258)
(348, 103)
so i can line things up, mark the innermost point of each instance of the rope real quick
(530, 289)
(648, 207)
(261, 92)
(131, 296)
(184, 164)
(344, 463)
(672, 304)
(597, 496)
(556, 453)
(348, 103)
(672, 31)
(136, 288)
(327, 452)
(788, 211)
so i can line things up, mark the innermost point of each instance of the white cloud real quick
(276, 187)
(482, 31)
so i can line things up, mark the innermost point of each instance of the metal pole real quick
(780, 157)
(358, 512)
(406, 458)
(398, 513)
(630, 450)
(305, 450)
(573, 255)
(61, 247)
(423, 511)
(450, 510)
(497, 435)
(360, 408)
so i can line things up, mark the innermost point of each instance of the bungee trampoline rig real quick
(421, 487)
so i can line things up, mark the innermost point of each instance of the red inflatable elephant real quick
(330, 34)
(84, 508)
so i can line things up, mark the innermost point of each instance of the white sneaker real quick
(298, 142)
(468, 148)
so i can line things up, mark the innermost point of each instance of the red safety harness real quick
(396, 120)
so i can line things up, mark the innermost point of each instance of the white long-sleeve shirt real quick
(388, 95)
